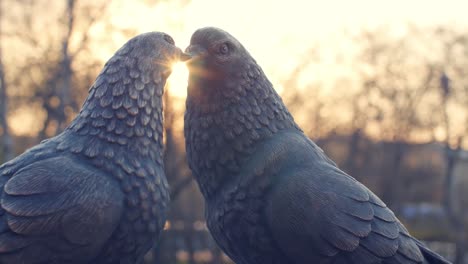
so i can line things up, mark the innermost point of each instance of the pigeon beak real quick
(195, 51)
(184, 56)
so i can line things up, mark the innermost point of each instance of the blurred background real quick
(381, 86)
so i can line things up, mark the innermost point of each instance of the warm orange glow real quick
(284, 32)
(278, 34)
(178, 80)
(26, 121)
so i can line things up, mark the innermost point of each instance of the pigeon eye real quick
(224, 49)
(169, 40)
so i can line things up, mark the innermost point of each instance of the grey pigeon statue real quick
(272, 196)
(97, 192)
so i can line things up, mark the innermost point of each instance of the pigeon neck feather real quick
(222, 128)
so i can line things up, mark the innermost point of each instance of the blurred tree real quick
(65, 66)
(307, 103)
(53, 73)
(454, 61)
(405, 83)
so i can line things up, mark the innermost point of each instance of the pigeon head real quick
(215, 53)
(124, 104)
(218, 61)
(154, 51)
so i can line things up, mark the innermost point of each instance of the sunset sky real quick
(277, 33)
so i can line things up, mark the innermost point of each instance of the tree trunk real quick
(217, 256)
(6, 140)
(458, 224)
(353, 152)
(461, 245)
(172, 155)
(391, 195)
(66, 70)
(189, 239)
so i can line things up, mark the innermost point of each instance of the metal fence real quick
(193, 244)
(187, 244)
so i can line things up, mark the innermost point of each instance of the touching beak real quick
(184, 56)
(195, 51)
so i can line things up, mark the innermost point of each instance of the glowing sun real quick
(177, 82)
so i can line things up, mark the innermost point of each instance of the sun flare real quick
(177, 82)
